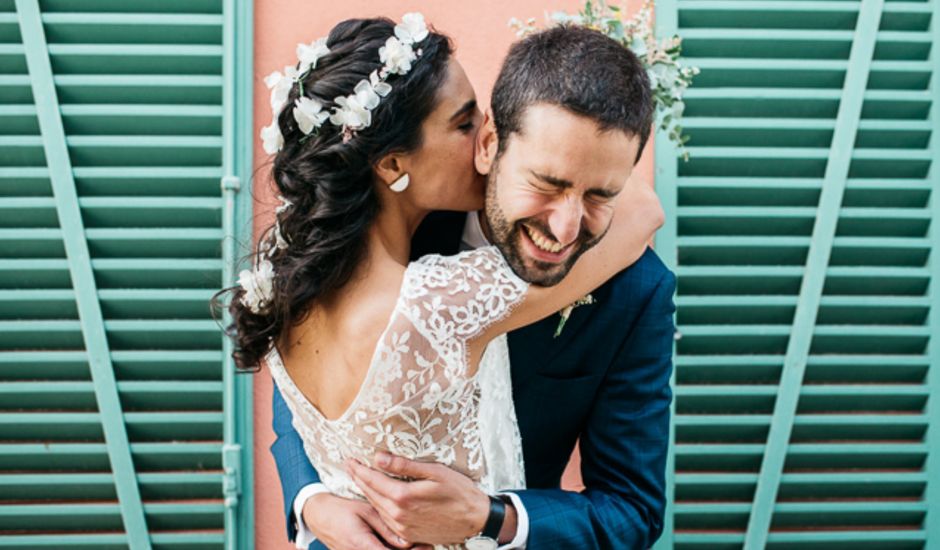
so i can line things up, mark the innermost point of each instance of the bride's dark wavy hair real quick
(330, 183)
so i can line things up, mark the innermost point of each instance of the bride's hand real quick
(439, 505)
(344, 524)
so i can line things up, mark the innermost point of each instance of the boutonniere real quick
(565, 313)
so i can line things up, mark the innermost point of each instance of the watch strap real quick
(494, 522)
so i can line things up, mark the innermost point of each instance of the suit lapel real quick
(536, 346)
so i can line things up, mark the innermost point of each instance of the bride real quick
(373, 129)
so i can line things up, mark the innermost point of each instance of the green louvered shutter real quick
(804, 234)
(116, 413)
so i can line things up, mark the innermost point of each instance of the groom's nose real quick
(565, 219)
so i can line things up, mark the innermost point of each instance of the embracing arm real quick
(623, 447)
(623, 457)
(293, 466)
(316, 518)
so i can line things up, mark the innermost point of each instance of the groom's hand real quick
(440, 505)
(344, 524)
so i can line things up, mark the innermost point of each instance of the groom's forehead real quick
(559, 134)
(558, 148)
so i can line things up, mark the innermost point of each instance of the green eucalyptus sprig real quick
(668, 77)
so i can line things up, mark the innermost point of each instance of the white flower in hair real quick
(271, 138)
(309, 54)
(285, 204)
(279, 241)
(378, 85)
(366, 94)
(280, 85)
(350, 114)
(309, 114)
(412, 28)
(258, 285)
(397, 56)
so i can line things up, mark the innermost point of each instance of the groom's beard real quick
(508, 237)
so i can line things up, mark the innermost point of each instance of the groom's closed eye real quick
(597, 194)
(601, 196)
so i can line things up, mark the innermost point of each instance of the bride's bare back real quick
(419, 397)
(328, 353)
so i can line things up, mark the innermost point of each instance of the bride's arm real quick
(637, 215)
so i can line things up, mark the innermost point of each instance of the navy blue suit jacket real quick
(605, 379)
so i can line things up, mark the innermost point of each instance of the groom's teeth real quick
(542, 242)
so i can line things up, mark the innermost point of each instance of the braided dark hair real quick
(331, 183)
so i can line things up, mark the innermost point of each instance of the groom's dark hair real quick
(578, 69)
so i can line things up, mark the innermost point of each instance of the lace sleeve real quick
(453, 299)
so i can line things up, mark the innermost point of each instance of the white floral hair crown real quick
(353, 112)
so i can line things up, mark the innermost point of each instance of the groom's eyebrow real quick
(566, 184)
(552, 180)
(468, 106)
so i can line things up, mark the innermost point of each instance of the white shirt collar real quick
(473, 236)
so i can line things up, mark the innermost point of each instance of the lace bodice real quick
(420, 398)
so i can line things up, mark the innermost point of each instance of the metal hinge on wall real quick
(231, 183)
(231, 478)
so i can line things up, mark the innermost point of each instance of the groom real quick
(604, 379)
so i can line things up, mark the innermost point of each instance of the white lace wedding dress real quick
(418, 399)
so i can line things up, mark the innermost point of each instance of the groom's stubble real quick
(507, 236)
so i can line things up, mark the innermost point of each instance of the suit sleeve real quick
(623, 447)
(293, 466)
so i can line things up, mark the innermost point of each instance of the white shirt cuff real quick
(522, 525)
(304, 535)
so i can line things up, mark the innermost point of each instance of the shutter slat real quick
(123, 334)
(185, 541)
(139, 6)
(141, 426)
(130, 365)
(101, 485)
(174, 455)
(106, 516)
(133, 28)
(135, 396)
(862, 540)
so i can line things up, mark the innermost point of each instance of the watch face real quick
(480, 543)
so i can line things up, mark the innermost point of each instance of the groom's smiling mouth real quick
(544, 248)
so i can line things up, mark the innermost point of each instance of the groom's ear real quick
(487, 145)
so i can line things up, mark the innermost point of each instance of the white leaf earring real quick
(400, 184)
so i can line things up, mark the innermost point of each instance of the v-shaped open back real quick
(417, 398)
(274, 356)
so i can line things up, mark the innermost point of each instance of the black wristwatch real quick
(489, 536)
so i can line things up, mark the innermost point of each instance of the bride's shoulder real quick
(466, 273)
(466, 256)
(459, 296)
(479, 264)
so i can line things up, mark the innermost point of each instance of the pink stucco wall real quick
(479, 29)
